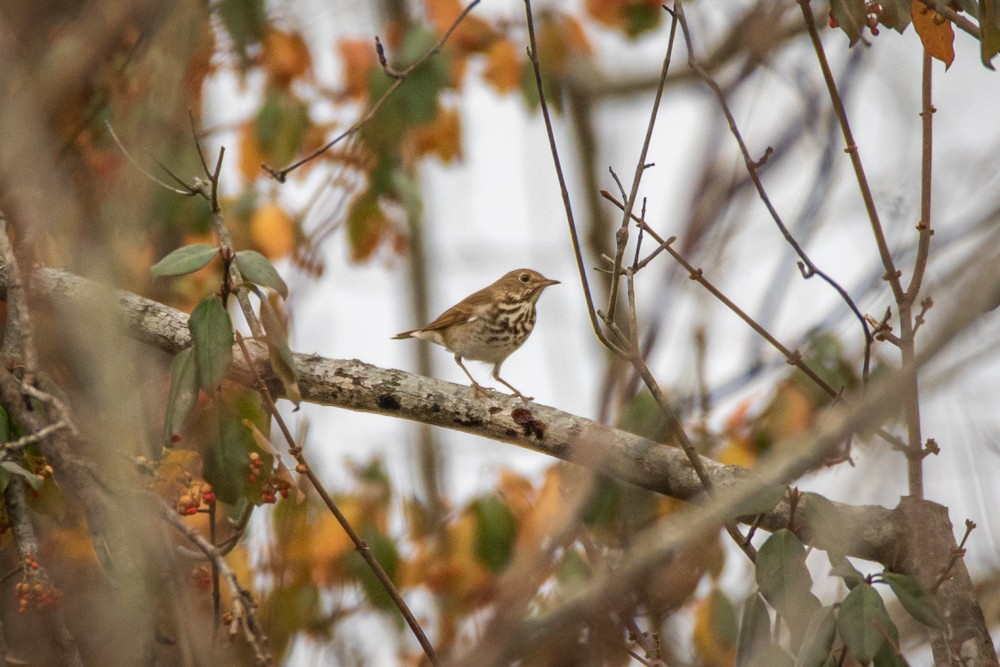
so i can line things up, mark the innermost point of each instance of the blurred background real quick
(450, 185)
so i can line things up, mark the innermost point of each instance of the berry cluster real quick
(34, 589)
(873, 16)
(273, 488)
(255, 465)
(197, 493)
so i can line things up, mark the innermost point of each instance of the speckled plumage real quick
(489, 324)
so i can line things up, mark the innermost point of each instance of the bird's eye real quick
(524, 277)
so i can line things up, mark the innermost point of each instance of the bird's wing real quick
(465, 310)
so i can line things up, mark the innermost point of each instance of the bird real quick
(490, 324)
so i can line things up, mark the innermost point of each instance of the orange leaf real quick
(503, 66)
(357, 58)
(441, 137)
(272, 231)
(250, 156)
(472, 34)
(286, 56)
(935, 32)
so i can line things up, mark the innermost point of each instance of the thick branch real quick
(358, 386)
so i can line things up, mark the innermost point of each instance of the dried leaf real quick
(272, 231)
(286, 57)
(503, 66)
(936, 33)
(357, 58)
(441, 137)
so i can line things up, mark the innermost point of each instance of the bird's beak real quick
(547, 282)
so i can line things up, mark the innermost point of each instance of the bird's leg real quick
(476, 387)
(496, 376)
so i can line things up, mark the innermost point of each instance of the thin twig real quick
(32, 438)
(185, 192)
(399, 77)
(359, 544)
(807, 267)
(956, 553)
(793, 357)
(243, 605)
(614, 347)
(891, 273)
(640, 167)
(963, 23)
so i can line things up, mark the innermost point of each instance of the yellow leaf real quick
(711, 641)
(935, 32)
(272, 231)
(737, 453)
(472, 34)
(503, 66)
(441, 137)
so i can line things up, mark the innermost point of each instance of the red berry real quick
(251, 478)
(176, 437)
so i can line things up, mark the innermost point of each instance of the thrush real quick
(489, 324)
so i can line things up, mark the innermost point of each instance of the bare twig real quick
(615, 347)
(32, 438)
(958, 552)
(281, 175)
(806, 266)
(359, 544)
(244, 607)
(640, 167)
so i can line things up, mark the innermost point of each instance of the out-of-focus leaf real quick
(245, 21)
(183, 392)
(989, 27)
(827, 526)
(385, 552)
(888, 657)
(33, 480)
(503, 66)
(282, 361)
(715, 628)
(442, 137)
(188, 259)
(643, 417)
(755, 632)
(286, 57)
(272, 231)
(357, 58)
(921, 604)
(818, 639)
(784, 581)
(497, 530)
(895, 14)
(367, 227)
(282, 124)
(850, 16)
(259, 270)
(212, 332)
(936, 33)
(295, 608)
(863, 622)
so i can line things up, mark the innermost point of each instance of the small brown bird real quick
(490, 324)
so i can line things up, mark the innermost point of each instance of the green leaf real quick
(281, 125)
(497, 530)
(184, 260)
(723, 618)
(863, 623)
(989, 26)
(850, 16)
(183, 392)
(755, 632)
(921, 604)
(888, 657)
(895, 14)
(781, 567)
(256, 268)
(226, 464)
(828, 528)
(818, 638)
(33, 480)
(643, 417)
(641, 17)
(244, 20)
(784, 581)
(6, 427)
(385, 552)
(212, 332)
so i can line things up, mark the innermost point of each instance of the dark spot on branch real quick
(388, 402)
(472, 422)
(526, 420)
